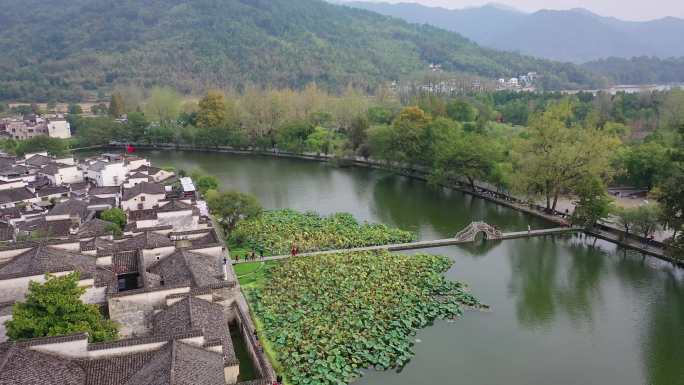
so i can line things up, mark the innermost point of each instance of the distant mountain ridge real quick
(68, 49)
(575, 35)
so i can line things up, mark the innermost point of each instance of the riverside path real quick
(468, 235)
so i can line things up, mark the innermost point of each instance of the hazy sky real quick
(622, 9)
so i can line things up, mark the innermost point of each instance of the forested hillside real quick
(62, 49)
(640, 70)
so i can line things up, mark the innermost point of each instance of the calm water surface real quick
(565, 310)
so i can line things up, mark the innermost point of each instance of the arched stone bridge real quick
(469, 234)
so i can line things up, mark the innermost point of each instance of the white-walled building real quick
(59, 173)
(142, 196)
(59, 129)
(107, 174)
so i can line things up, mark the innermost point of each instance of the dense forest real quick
(546, 146)
(65, 50)
(639, 70)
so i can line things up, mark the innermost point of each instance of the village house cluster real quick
(524, 82)
(32, 125)
(167, 281)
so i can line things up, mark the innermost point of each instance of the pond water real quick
(565, 309)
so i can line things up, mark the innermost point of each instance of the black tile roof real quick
(94, 228)
(206, 240)
(142, 215)
(175, 205)
(41, 259)
(15, 195)
(60, 228)
(71, 207)
(187, 268)
(6, 231)
(193, 313)
(10, 213)
(147, 240)
(143, 188)
(97, 201)
(104, 190)
(53, 168)
(24, 366)
(52, 190)
(38, 160)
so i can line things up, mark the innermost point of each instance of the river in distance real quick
(565, 310)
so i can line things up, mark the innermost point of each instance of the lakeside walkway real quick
(457, 240)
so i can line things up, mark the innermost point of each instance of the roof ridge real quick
(9, 353)
(172, 363)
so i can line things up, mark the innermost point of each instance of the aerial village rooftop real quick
(167, 281)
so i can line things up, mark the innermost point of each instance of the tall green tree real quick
(116, 216)
(462, 111)
(54, 308)
(671, 191)
(204, 182)
(643, 164)
(117, 107)
(230, 207)
(292, 136)
(471, 156)
(163, 106)
(212, 110)
(593, 205)
(555, 154)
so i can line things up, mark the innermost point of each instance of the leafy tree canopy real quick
(230, 207)
(54, 308)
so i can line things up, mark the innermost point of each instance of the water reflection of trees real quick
(544, 287)
(664, 341)
(411, 204)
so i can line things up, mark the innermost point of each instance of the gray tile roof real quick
(187, 268)
(10, 213)
(21, 170)
(15, 195)
(147, 240)
(79, 186)
(115, 370)
(59, 228)
(142, 215)
(98, 166)
(208, 239)
(94, 228)
(138, 175)
(52, 190)
(181, 364)
(23, 366)
(97, 201)
(105, 190)
(175, 363)
(175, 205)
(53, 168)
(192, 313)
(41, 259)
(6, 231)
(38, 160)
(143, 188)
(72, 207)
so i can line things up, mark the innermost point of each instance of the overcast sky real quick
(622, 9)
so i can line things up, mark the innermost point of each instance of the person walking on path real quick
(529, 229)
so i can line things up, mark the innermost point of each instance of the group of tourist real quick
(252, 255)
